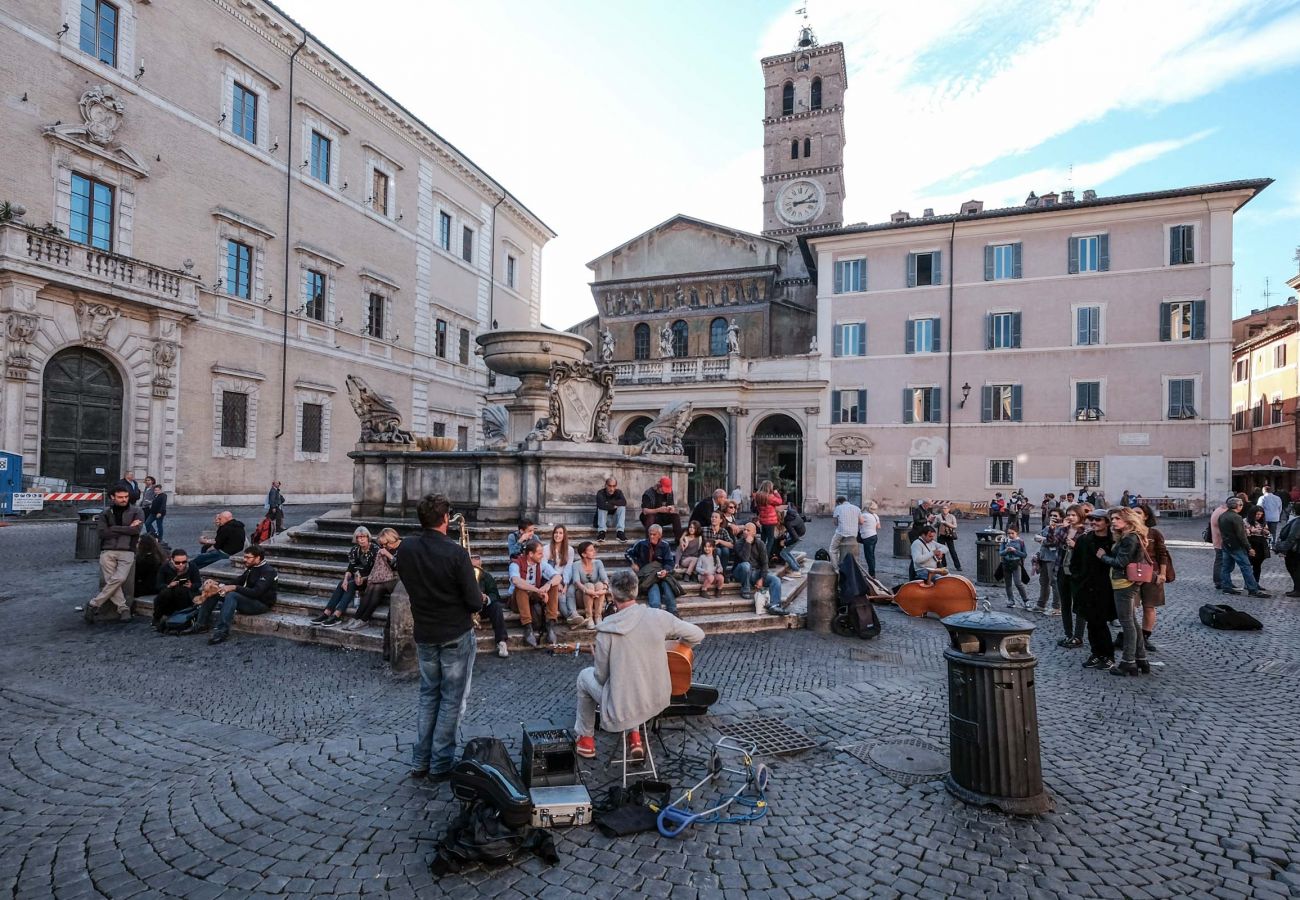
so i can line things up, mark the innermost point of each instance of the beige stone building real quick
(214, 220)
(1266, 397)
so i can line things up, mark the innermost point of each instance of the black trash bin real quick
(87, 534)
(902, 546)
(987, 544)
(993, 713)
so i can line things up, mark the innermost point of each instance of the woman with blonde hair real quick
(767, 506)
(1130, 532)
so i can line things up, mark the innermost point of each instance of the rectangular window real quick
(315, 306)
(1087, 326)
(1182, 320)
(375, 316)
(850, 276)
(239, 270)
(439, 429)
(510, 271)
(1089, 254)
(920, 472)
(1181, 247)
(1279, 357)
(99, 30)
(1002, 472)
(1257, 414)
(1239, 419)
(1182, 398)
(1002, 331)
(924, 269)
(91, 220)
(444, 231)
(1241, 371)
(462, 437)
(313, 419)
(1182, 473)
(1087, 473)
(922, 405)
(848, 480)
(467, 244)
(440, 338)
(1001, 403)
(464, 346)
(1087, 401)
(234, 419)
(320, 157)
(1001, 262)
(379, 192)
(243, 115)
(849, 407)
(922, 336)
(850, 339)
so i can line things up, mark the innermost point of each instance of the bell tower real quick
(803, 138)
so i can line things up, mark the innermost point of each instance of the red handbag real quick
(1143, 571)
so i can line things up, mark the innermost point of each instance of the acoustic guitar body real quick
(681, 660)
(950, 594)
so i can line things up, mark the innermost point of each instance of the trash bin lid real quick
(902, 523)
(89, 513)
(986, 621)
(989, 533)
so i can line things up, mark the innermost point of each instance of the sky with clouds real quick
(606, 118)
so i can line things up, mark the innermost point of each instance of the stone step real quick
(486, 532)
(494, 558)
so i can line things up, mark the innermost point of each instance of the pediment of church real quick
(683, 245)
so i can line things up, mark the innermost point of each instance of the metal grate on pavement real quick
(772, 737)
(907, 761)
(887, 657)
(1278, 667)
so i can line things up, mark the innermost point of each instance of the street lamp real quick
(965, 392)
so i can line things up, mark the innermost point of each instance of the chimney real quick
(1089, 195)
(929, 213)
(1032, 199)
(1067, 196)
(1048, 199)
(970, 207)
(899, 216)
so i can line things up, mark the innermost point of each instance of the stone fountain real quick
(545, 453)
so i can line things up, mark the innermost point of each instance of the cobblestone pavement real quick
(133, 765)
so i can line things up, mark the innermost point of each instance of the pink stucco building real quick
(1065, 342)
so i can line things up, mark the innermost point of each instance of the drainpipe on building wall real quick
(952, 330)
(288, 210)
(492, 268)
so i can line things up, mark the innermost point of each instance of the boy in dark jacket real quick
(1095, 597)
(252, 595)
(492, 607)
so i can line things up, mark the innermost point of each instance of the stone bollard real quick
(822, 579)
(399, 637)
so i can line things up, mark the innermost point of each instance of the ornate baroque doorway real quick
(778, 443)
(81, 418)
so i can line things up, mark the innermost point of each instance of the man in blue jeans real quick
(751, 569)
(438, 576)
(1236, 550)
(252, 595)
(654, 550)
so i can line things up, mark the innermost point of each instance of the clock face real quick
(800, 202)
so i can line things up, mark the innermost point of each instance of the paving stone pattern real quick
(133, 765)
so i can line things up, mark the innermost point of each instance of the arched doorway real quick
(705, 443)
(81, 418)
(778, 443)
(634, 433)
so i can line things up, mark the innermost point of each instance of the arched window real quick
(817, 93)
(681, 346)
(807, 147)
(787, 99)
(641, 342)
(718, 337)
(794, 149)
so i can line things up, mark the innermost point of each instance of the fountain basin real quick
(523, 353)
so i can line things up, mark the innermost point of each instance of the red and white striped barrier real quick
(50, 498)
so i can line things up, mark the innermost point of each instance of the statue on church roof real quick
(733, 338)
(606, 345)
(666, 341)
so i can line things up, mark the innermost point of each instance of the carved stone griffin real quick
(664, 434)
(495, 421)
(581, 394)
(381, 423)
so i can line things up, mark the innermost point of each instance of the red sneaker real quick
(586, 747)
(635, 752)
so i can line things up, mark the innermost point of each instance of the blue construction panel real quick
(11, 479)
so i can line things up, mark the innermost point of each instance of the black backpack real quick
(1226, 618)
(478, 835)
(178, 621)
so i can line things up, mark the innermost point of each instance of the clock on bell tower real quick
(803, 138)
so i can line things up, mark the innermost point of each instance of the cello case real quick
(950, 594)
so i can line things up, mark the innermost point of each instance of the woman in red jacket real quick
(767, 504)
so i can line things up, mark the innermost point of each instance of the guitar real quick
(681, 660)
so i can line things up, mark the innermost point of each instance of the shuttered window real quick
(849, 407)
(1182, 398)
(922, 336)
(922, 404)
(1087, 401)
(850, 276)
(1001, 403)
(1002, 262)
(1087, 326)
(1089, 253)
(850, 339)
(1182, 320)
(1182, 245)
(924, 268)
(1002, 331)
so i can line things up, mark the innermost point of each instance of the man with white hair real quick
(653, 554)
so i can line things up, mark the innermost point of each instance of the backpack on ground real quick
(1227, 618)
(822, 553)
(178, 621)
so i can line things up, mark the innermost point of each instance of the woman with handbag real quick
(1013, 555)
(947, 525)
(1130, 568)
(1259, 538)
(1153, 594)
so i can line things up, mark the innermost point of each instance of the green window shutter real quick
(936, 405)
(862, 406)
(1103, 253)
(838, 349)
(863, 285)
(862, 339)
(1175, 398)
(1074, 256)
(938, 341)
(1175, 245)
(936, 270)
(988, 331)
(1189, 244)
(1015, 330)
(1080, 397)
(907, 405)
(911, 270)
(1015, 260)
(1017, 398)
(1094, 325)
(909, 337)
(1198, 320)
(986, 403)
(1164, 321)
(835, 407)
(988, 263)
(839, 278)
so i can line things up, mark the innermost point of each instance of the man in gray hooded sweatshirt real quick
(630, 679)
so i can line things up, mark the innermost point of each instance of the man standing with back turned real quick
(437, 574)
